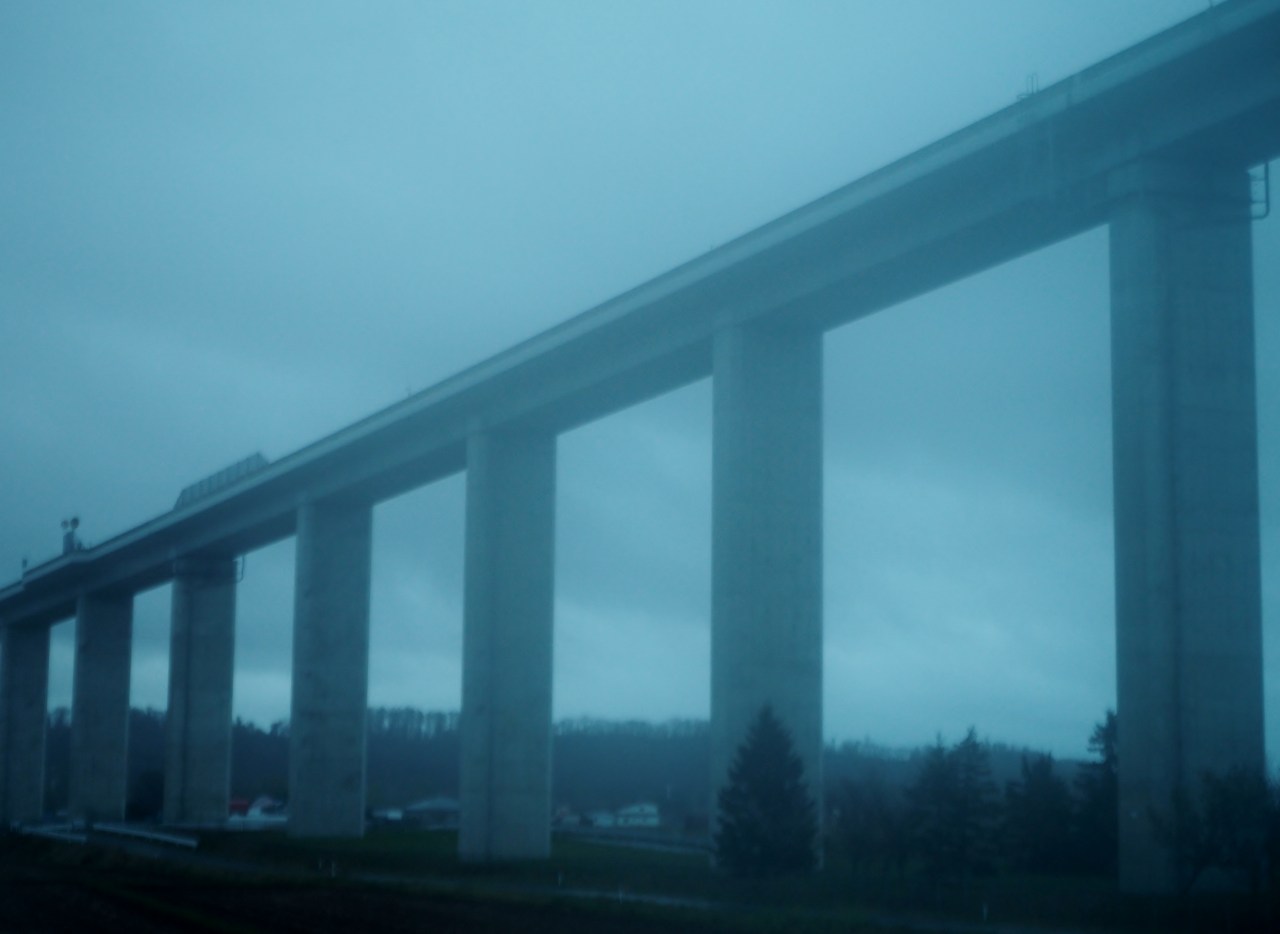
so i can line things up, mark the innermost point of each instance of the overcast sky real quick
(237, 227)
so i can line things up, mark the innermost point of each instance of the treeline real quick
(953, 818)
(604, 765)
(413, 754)
(598, 764)
(954, 821)
(958, 811)
(876, 797)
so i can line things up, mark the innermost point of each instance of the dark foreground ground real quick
(37, 899)
(53, 887)
(413, 882)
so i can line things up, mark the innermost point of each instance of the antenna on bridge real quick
(70, 537)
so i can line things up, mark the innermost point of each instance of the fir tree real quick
(1037, 818)
(767, 819)
(872, 825)
(1098, 811)
(954, 808)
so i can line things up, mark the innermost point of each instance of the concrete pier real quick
(1188, 594)
(197, 773)
(100, 706)
(507, 646)
(330, 669)
(24, 702)
(766, 550)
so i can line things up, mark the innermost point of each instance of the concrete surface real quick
(100, 707)
(197, 765)
(330, 670)
(506, 651)
(24, 703)
(1188, 591)
(766, 548)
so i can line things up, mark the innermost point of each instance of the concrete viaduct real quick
(1156, 142)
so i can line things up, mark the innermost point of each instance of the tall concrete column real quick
(506, 651)
(1188, 593)
(330, 670)
(197, 766)
(100, 706)
(766, 550)
(24, 702)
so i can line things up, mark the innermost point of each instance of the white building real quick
(638, 815)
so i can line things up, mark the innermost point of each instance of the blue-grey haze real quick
(236, 227)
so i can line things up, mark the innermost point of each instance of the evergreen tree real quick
(930, 796)
(1228, 826)
(1098, 811)
(145, 799)
(57, 759)
(767, 819)
(954, 808)
(872, 825)
(1038, 818)
(976, 808)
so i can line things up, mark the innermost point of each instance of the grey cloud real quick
(233, 228)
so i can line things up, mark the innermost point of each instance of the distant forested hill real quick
(414, 754)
